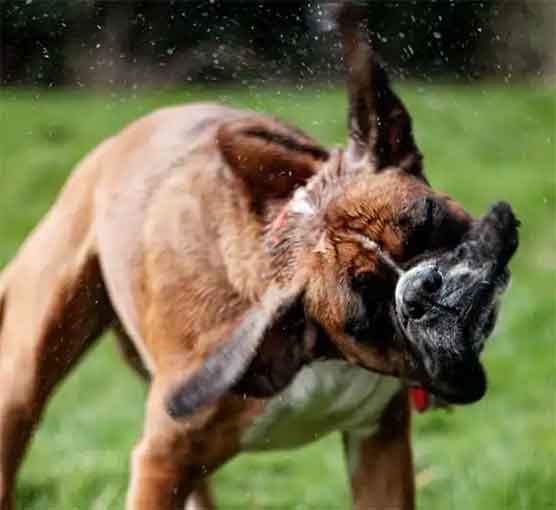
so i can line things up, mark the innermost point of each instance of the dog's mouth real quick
(454, 375)
(445, 334)
(446, 307)
(466, 383)
(463, 381)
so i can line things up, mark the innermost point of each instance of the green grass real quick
(482, 143)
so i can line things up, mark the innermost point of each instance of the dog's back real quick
(163, 169)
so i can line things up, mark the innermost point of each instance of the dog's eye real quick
(421, 224)
(425, 219)
(376, 292)
(371, 286)
(428, 227)
(360, 281)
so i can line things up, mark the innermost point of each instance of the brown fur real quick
(169, 230)
(381, 466)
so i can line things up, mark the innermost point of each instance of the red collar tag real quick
(420, 399)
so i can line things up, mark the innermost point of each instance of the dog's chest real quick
(324, 396)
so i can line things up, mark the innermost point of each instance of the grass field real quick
(481, 143)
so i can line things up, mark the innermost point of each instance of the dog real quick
(269, 289)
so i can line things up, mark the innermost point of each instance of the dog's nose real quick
(431, 281)
(419, 291)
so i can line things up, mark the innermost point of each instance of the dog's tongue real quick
(420, 399)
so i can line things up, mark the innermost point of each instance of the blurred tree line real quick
(126, 43)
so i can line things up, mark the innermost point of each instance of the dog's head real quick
(399, 278)
(405, 283)
(446, 306)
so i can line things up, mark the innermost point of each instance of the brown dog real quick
(270, 289)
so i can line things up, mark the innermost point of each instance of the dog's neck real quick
(295, 226)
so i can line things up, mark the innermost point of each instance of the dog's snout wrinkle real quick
(445, 308)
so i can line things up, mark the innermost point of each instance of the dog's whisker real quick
(384, 256)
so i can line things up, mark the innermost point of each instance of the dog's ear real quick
(379, 123)
(271, 158)
(223, 368)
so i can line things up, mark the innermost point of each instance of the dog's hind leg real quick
(54, 306)
(129, 352)
(171, 462)
(200, 498)
(49, 321)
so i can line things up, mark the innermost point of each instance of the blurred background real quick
(133, 43)
(480, 81)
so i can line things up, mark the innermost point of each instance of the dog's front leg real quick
(201, 497)
(160, 476)
(172, 460)
(381, 466)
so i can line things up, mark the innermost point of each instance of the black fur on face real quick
(446, 305)
(370, 318)
(428, 227)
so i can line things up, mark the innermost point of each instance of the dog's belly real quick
(324, 396)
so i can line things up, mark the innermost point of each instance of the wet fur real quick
(201, 232)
